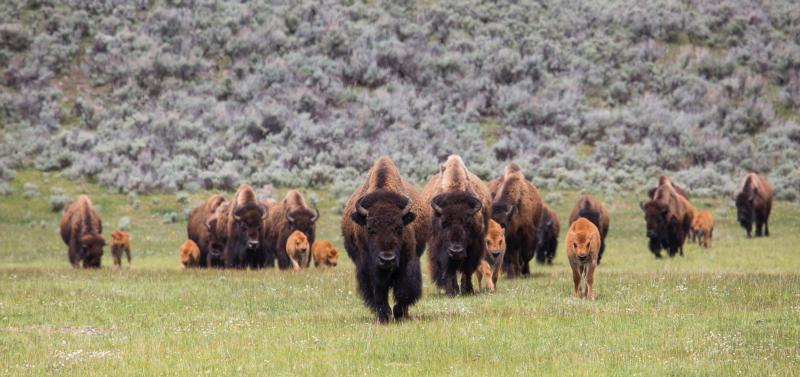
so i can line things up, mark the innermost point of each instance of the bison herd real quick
(469, 227)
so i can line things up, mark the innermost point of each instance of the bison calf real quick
(297, 249)
(189, 255)
(120, 243)
(325, 254)
(703, 228)
(583, 249)
(492, 261)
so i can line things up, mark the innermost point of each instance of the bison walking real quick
(385, 226)
(81, 230)
(517, 207)
(668, 220)
(754, 204)
(594, 211)
(461, 212)
(245, 218)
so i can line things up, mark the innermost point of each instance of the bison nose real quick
(583, 258)
(651, 234)
(252, 243)
(456, 251)
(495, 253)
(386, 258)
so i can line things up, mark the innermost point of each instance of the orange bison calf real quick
(703, 227)
(189, 255)
(81, 230)
(325, 254)
(583, 248)
(492, 261)
(120, 243)
(297, 249)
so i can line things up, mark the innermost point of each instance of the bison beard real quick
(458, 242)
(386, 256)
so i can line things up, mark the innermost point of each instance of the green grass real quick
(732, 309)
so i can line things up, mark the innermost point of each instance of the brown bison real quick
(217, 225)
(703, 227)
(385, 226)
(547, 236)
(197, 228)
(120, 243)
(461, 212)
(668, 220)
(583, 252)
(284, 218)
(245, 220)
(666, 180)
(81, 230)
(298, 250)
(517, 207)
(595, 212)
(189, 255)
(492, 261)
(325, 254)
(754, 203)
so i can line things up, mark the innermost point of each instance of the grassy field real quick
(732, 309)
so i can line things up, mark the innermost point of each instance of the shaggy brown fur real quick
(595, 212)
(325, 254)
(385, 226)
(120, 243)
(196, 228)
(668, 219)
(284, 218)
(492, 261)
(703, 226)
(217, 225)
(244, 233)
(81, 230)
(667, 181)
(298, 250)
(754, 203)
(494, 186)
(189, 255)
(517, 207)
(462, 210)
(583, 248)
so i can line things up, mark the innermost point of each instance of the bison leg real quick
(450, 284)
(74, 256)
(576, 279)
(602, 249)
(380, 294)
(407, 289)
(466, 284)
(590, 282)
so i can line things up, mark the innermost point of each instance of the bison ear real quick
(408, 218)
(359, 218)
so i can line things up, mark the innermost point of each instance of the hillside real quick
(172, 95)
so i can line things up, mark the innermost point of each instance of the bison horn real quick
(236, 217)
(436, 207)
(316, 216)
(289, 217)
(361, 210)
(407, 209)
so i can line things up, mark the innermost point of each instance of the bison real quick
(595, 212)
(517, 207)
(284, 218)
(298, 250)
(120, 243)
(583, 252)
(81, 230)
(385, 227)
(703, 227)
(217, 226)
(197, 228)
(753, 200)
(547, 236)
(492, 261)
(668, 221)
(189, 255)
(243, 235)
(325, 254)
(461, 212)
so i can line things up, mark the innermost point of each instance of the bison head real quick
(384, 215)
(495, 241)
(581, 247)
(454, 221)
(249, 218)
(215, 240)
(745, 208)
(92, 249)
(303, 220)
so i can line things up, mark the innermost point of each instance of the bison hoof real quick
(400, 312)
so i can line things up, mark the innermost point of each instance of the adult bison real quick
(461, 213)
(284, 218)
(197, 228)
(81, 230)
(243, 235)
(754, 203)
(385, 226)
(668, 221)
(547, 236)
(595, 212)
(517, 207)
(217, 225)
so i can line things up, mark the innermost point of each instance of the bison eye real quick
(574, 245)
(398, 230)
